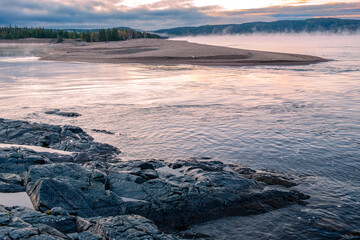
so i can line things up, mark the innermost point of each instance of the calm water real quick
(299, 119)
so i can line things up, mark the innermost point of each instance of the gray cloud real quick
(163, 14)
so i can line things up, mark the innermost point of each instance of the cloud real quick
(161, 14)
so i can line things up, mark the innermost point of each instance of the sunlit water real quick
(304, 120)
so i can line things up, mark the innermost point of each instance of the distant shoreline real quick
(162, 52)
(28, 40)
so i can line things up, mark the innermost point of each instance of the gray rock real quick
(268, 177)
(62, 113)
(195, 191)
(125, 227)
(56, 211)
(103, 131)
(65, 224)
(76, 189)
(23, 223)
(15, 162)
(67, 138)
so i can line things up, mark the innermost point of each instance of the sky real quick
(158, 14)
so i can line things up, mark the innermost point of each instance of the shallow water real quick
(299, 119)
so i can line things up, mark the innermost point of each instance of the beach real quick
(168, 52)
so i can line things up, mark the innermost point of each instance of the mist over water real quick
(304, 120)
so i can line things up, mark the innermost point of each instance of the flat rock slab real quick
(66, 138)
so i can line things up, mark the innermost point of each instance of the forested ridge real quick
(100, 35)
(325, 25)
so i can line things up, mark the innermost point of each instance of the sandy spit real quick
(168, 52)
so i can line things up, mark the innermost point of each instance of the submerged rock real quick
(103, 131)
(63, 114)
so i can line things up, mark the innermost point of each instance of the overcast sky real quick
(155, 14)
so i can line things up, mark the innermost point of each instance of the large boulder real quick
(16, 161)
(176, 195)
(76, 189)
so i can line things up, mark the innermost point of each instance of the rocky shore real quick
(80, 189)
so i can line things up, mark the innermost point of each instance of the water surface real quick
(304, 120)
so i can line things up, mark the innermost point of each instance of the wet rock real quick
(78, 190)
(63, 114)
(59, 211)
(17, 228)
(125, 227)
(64, 224)
(270, 178)
(66, 138)
(94, 184)
(15, 162)
(196, 191)
(103, 131)
(23, 223)
(189, 235)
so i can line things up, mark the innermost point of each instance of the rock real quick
(195, 191)
(103, 131)
(23, 223)
(270, 178)
(10, 188)
(90, 191)
(76, 189)
(64, 224)
(63, 114)
(15, 162)
(59, 211)
(10, 178)
(66, 138)
(125, 227)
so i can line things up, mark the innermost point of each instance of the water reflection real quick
(299, 119)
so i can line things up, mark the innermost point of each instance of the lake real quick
(304, 120)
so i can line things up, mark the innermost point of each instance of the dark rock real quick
(188, 235)
(73, 188)
(196, 191)
(103, 131)
(64, 224)
(174, 195)
(270, 178)
(23, 223)
(125, 227)
(66, 138)
(63, 114)
(59, 211)
(15, 162)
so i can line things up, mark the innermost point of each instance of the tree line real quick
(100, 35)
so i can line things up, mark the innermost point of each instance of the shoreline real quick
(169, 52)
(89, 188)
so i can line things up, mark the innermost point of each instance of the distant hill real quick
(328, 25)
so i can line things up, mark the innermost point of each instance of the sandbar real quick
(168, 52)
